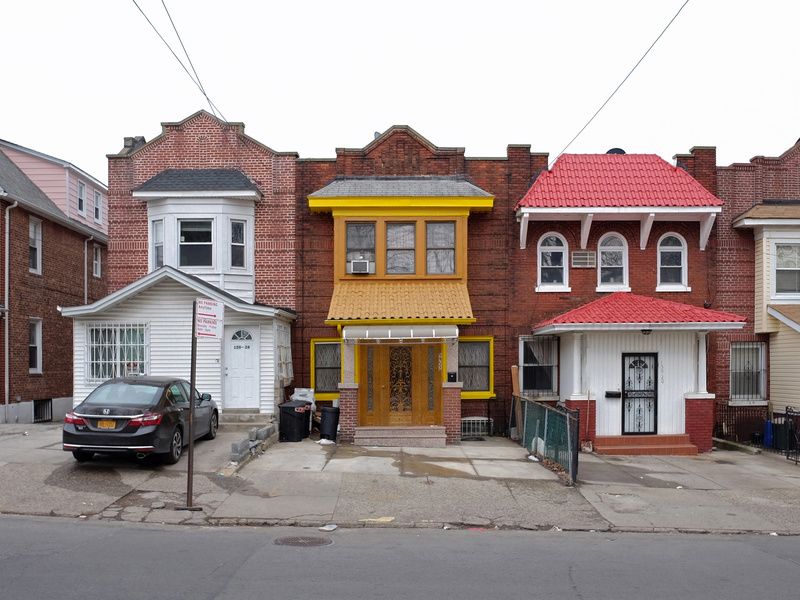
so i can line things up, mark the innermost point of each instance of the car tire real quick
(175, 447)
(213, 425)
(82, 455)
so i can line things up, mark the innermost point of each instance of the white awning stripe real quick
(399, 332)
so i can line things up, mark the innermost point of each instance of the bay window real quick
(360, 245)
(400, 248)
(195, 247)
(440, 247)
(787, 268)
(238, 244)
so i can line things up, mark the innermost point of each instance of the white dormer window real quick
(612, 270)
(238, 244)
(157, 244)
(81, 197)
(787, 269)
(552, 273)
(196, 243)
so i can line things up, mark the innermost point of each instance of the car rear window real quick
(139, 394)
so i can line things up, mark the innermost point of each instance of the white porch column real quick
(701, 362)
(577, 367)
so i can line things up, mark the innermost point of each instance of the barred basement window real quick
(748, 372)
(116, 350)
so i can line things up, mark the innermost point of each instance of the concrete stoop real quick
(409, 437)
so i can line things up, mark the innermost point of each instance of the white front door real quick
(241, 367)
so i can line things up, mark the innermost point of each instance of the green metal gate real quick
(550, 432)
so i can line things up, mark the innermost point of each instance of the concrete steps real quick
(410, 437)
(242, 419)
(645, 445)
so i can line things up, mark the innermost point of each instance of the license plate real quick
(106, 424)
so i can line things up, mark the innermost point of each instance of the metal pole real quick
(192, 381)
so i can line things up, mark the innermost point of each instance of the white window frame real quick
(37, 323)
(231, 244)
(98, 207)
(81, 198)
(113, 364)
(774, 293)
(35, 234)
(97, 261)
(747, 401)
(552, 287)
(155, 244)
(213, 243)
(613, 287)
(674, 287)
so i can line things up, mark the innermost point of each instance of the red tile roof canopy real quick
(617, 187)
(625, 311)
(618, 180)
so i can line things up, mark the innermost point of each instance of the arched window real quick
(553, 254)
(612, 270)
(672, 268)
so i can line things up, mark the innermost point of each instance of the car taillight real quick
(146, 420)
(73, 419)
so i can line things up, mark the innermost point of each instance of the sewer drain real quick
(303, 541)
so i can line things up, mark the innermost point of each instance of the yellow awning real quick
(370, 302)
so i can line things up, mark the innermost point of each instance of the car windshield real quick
(120, 392)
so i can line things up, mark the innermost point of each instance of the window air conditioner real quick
(359, 267)
(584, 259)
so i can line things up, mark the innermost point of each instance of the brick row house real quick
(412, 278)
(53, 222)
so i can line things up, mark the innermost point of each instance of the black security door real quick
(639, 393)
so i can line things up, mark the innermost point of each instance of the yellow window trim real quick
(482, 394)
(314, 342)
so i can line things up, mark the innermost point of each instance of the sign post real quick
(207, 322)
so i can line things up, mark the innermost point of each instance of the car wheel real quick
(82, 455)
(175, 448)
(212, 427)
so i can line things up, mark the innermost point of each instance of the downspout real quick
(6, 313)
(86, 269)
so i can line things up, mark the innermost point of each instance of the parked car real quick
(140, 416)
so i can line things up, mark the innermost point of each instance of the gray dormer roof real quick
(198, 180)
(372, 187)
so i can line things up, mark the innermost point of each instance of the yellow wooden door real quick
(400, 385)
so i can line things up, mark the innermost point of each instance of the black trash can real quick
(294, 421)
(329, 422)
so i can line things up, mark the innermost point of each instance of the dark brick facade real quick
(34, 296)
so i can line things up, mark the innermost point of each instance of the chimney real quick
(700, 163)
(132, 144)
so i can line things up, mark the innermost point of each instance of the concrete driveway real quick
(721, 491)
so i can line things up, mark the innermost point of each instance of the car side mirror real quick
(205, 397)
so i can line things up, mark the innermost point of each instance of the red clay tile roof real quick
(613, 180)
(624, 307)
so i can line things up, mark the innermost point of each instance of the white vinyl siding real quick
(166, 308)
(784, 374)
(677, 372)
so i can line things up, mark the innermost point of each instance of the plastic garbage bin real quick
(294, 421)
(329, 422)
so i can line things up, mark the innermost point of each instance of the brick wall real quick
(451, 411)
(348, 412)
(587, 425)
(202, 141)
(699, 415)
(37, 296)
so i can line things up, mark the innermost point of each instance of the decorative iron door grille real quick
(639, 393)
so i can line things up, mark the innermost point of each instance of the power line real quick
(602, 106)
(191, 64)
(180, 62)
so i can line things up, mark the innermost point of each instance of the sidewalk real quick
(475, 484)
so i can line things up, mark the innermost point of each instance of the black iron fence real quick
(549, 432)
(743, 424)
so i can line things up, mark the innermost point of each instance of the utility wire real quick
(602, 106)
(211, 105)
(180, 62)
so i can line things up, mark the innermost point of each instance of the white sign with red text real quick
(208, 318)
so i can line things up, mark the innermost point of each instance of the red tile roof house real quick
(51, 256)
(613, 274)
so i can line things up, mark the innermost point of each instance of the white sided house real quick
(201, 226)
(145, 328)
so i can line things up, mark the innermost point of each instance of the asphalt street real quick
(43, 558)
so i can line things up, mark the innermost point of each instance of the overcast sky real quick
(79, 75)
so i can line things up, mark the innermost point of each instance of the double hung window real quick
(81, 197)
(158, 244)
(672, 271)
(327, 366)
(787, 268)
(98, 204)
(238, 244)
(440, 247)
(612, 272)
(360, 244)
(748, 372)
(539, 365)
(35, 246)
(553, 274)
(97, 261)
(35, 346)
(400, 244)
(475, 366)
(195, 247)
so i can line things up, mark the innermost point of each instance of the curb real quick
(728, 445)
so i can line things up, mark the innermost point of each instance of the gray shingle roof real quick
(400, 186)
(198, 180)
